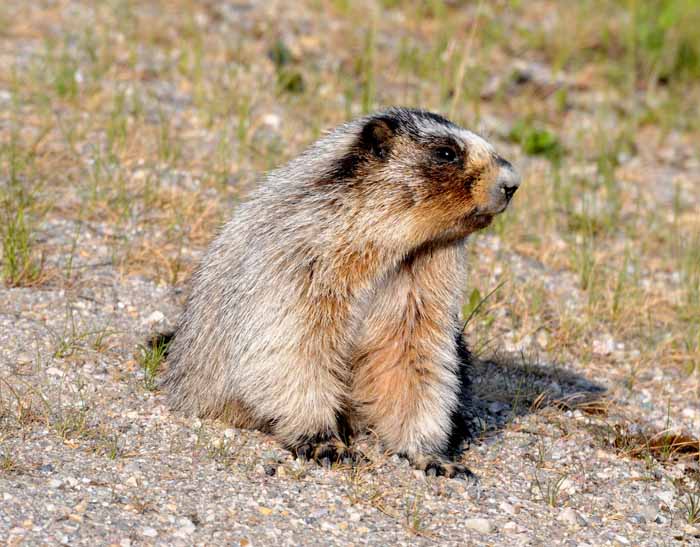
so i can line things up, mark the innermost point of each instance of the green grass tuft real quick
(536, 141)
(151, 358)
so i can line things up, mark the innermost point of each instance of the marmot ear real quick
(378, 135)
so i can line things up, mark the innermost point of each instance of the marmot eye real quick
(445, 154)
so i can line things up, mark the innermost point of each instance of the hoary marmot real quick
(330, 302)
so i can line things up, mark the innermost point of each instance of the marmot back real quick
(330, 302)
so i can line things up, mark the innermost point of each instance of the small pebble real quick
(667, 497)
(155, 317)
(497, 406)
(571, 517)
(479, 525)
(691, 530)
(187, 527)
(507, 508)
(513, 528)
(149, 532)
(648, 512)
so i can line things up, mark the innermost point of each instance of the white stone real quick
(649, 512)
(667, 497)
(482, 526)
(272, 120)
(568, 486)
(507, 508)
(604, 346)
(149, 532)
(155, 317)
(513, 528)
(691, 530)
(570, 517)
(187, 527)
(418, 474)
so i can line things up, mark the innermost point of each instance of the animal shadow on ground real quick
(507, 385)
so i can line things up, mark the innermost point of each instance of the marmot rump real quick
(330, 302)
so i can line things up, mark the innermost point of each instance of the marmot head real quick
(434, 179)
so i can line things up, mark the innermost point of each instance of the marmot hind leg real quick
(441, 467)
(237, 414)
(306, 403)
(329, 448)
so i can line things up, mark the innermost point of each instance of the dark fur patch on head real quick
(346, 167)
(407, 117)
(437, 118)
(373, 143)
(377, 137)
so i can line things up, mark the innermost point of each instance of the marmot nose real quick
(508, 180)
(508, 191)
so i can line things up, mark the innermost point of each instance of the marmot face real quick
(444, 182)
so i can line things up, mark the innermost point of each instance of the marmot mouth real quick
(493, 212)
(479, 220)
